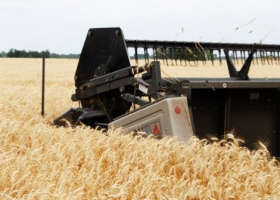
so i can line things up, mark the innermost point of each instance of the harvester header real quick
(113, 93)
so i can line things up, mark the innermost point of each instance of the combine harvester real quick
(113, 94)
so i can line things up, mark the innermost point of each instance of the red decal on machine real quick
(156, 130)
(177, 110)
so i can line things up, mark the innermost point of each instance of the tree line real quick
(186, 55)
(14, 53)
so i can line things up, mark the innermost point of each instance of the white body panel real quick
(169, 116)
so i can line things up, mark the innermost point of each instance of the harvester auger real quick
(112, 93)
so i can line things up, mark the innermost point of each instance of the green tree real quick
(54, 55)
(10, 54)
(47, 54)
(3, 54)
(35, 54)
(23, 54)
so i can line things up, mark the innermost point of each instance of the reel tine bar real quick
(174, 51)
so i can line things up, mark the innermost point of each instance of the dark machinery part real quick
(104, 52)
(107, 86)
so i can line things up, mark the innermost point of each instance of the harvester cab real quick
(112, 93)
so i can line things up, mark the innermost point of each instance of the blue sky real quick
(61, 25)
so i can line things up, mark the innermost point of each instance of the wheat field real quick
(41, 161)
